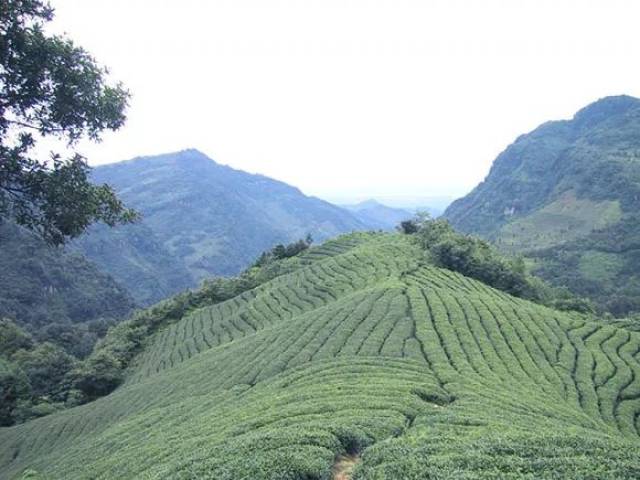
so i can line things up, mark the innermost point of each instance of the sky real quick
(352, 99)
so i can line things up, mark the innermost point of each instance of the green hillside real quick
(361, 353)
(200, 219)
(567, 195)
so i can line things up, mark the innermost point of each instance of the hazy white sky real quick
(357, 98)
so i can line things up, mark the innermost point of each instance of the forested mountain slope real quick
(361, 348)
(200, 219)
(41, 285)
(568, 196)
(138, 259)
(54, 305)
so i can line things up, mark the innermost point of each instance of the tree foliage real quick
(49, 87)
(14, 386)
(33, 376)
(602, 266)
(46, 367)
(13, 338)
(281, 251)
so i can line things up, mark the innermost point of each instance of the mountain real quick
(138, 259)
(356, 353)
(377, 215)
(434, 205)
(41, 285)
(200, 219)
(567, 195)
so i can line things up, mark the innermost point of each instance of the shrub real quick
(476, 258)
(14, 386)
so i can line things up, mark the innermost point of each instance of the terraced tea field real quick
(364, 351)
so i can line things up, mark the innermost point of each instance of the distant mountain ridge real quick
(200, 219)
(567, 195)
(377, 215)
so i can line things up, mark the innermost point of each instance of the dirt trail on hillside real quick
(343, 467)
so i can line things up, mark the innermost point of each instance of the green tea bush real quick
(357, 347)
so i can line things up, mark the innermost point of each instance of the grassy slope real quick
(558, 222)
(362, 349)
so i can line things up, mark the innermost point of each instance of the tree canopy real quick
(49, 87)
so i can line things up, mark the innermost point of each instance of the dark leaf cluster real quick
(49, 87)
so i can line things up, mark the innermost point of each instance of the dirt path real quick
(343, 467)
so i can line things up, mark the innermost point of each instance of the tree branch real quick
(34, 127)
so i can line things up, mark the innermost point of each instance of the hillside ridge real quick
(362, 348)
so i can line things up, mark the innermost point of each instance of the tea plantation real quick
(363, 349)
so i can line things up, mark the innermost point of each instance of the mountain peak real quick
(604, 108)
(191, 154)
(205, 218)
